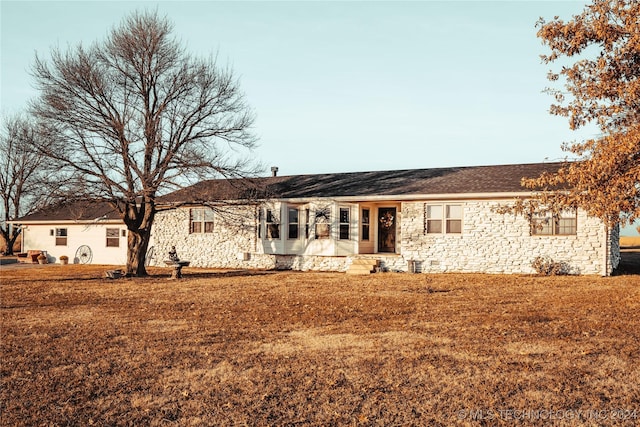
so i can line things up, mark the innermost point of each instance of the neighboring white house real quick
(424, 220)
(88, 233)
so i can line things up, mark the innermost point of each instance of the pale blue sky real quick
(346, 86)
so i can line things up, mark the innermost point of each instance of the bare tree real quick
(136, 115)
(22, 175)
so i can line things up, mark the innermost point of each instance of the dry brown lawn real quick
(284, 348)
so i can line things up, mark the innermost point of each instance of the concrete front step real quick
(365, 261)
(363, 266)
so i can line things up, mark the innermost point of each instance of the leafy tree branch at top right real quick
(601, 87)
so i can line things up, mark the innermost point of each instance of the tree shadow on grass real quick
(227, 273)
(629, 263)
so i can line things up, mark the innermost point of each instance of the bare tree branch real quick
(24, 174)
(136, 115)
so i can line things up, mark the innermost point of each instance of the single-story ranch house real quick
(425, 220)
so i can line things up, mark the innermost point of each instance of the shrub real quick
(548, 267)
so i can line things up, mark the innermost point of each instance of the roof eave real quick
(65, 221)
(412, 197)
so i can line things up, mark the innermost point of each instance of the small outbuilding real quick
(86, 232)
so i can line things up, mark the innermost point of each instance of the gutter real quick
(67, 222)
(607, 249)
(356, 198)
(416, 197)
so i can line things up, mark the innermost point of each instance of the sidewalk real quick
(4, 260)
(11, 263)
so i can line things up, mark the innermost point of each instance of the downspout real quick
(606, 251)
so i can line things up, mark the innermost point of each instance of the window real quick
(454, 219)
(323, 220)
(434, 219)
(449, 215)
(564, 224)
(323, 231)
(113, 237)
(201, 220)
(344, 224)
(366, 224)
(307, 222)
(293, 223)
(61, 237)
(273, 226)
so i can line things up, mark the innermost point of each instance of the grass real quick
(284, 348)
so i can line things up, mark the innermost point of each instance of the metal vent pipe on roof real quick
(274, 171)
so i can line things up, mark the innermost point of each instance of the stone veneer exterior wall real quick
(497, 243)
(489, 243)
(233, 240)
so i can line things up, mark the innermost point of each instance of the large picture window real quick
(564, 224)
(201, 220)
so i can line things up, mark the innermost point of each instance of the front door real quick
(387, 230)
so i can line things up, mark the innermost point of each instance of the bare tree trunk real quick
(10, 235)
(137, 245)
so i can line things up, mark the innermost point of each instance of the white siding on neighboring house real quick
(50, 238)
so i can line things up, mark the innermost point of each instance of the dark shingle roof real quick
(76, 211)
(453, 180)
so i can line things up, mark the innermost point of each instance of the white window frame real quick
(552, 224)
(114, 238)
(344, 225)
(293, 225)
(322, 223)
(204, 218)
(443, 219)
(450, 218)
(61, 235)
(365, 222)
(307, 222)
(272, 223)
